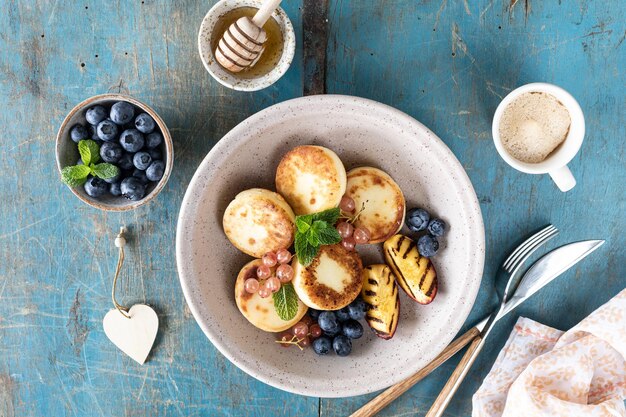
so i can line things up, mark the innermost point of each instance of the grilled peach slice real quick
(415, 274)
(380, 293)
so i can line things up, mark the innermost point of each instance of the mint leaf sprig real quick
(313, 231)
(286, 302)
(76, 175)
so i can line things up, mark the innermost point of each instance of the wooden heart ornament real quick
(135, 335)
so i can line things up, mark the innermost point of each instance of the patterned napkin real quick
(544, 372)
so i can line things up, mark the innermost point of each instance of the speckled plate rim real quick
(240, 134)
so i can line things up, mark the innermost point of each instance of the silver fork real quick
(515, 260)
(511, 266)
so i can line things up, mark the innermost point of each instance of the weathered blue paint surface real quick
(447, 63)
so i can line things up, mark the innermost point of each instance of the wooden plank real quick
(315, 41)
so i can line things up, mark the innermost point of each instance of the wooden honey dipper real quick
(242, 43)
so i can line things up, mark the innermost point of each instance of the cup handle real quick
(563, 178)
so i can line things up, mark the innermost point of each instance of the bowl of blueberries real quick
(114, 152)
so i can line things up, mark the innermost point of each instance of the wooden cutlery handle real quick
(386, 397)
(440, 404)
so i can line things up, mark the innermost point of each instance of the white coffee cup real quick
(556, 163)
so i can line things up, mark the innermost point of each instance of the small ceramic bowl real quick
(227, 78)
(67, 152)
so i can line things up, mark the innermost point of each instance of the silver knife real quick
(546, 269)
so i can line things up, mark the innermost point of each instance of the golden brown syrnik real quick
(261, 311)
(381, 199)
(380, 293)
(331, 281)
(311, 178)
(416, 274)
(258, 221)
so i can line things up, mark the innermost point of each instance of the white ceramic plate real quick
(361, 132)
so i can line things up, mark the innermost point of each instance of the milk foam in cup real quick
(538, 128)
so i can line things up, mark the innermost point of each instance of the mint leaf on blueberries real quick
(286, 302)
(105, 170)
(75, 175)
(313, 231)
(89, 151)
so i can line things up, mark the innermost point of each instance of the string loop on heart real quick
(135, 330)
(120, 242)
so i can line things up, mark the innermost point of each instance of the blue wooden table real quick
(447, 63)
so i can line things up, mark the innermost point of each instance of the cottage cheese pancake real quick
(258, 221)
(311, 178)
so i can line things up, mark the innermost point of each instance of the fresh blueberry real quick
(126, 161)
(322, 345)
(79, 132)
(342, 314)
(314, 313)
(115, 189)
(93, 132)
(95, 115)
(427, 245)
(417, 219)
(155, 171)
(113, 179)
(96, 187)
(328, 322)
(342, 345)
(142, 160)
(111, 152)
(357, 309)
(352, 329)
(107, 130)
(122, 112)
(141, 176)
(437, 227)
(132, 140)
(155, 154)
(144, 123)
(132, 188)
(333, 334)
(153, 140)
(79, 162)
